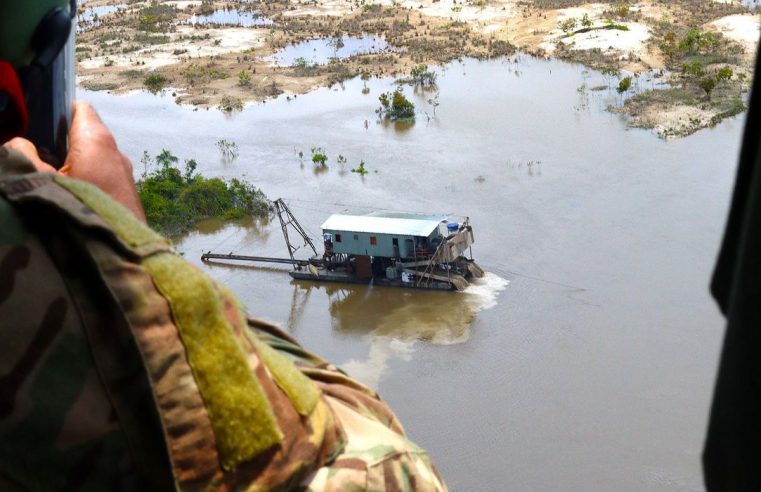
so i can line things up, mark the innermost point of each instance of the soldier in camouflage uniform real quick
(123, 367)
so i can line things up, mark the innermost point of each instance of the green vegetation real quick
(154, 82)
(319, 156)
(372, 7)
(143, 39)
(568, 25)
(132, 73)
(708, 84)
(228, 104)
(303, 68)
(175, 200)
(244, 78)
(206, 8)
(395, 106)
(157, 17)
(685, 48)
(195, 73)
(360, 169)
(624, 84)
(724, 73)
(693, 68)
(420, 76)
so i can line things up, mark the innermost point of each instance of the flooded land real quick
(223, 54)
(585, 358)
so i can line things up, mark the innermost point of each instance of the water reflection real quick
(399, 126)
(633, 219)
(232, 17)
(90, 18)
(249, 229)
(395, 319)
(321, 51)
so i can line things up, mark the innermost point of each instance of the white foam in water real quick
(483, 292)
(371, 371)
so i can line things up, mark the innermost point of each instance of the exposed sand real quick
(744, 28)
(204, 62)
(674, 121)
(608, 41)
(220, 42)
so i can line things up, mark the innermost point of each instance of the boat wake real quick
(400, 331)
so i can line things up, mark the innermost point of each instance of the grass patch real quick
(154, 82)
(230, 104)
(132, 74)
(150, 39)
(157, 17)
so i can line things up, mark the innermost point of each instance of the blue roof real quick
(399, 223)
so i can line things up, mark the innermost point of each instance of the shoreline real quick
(141, 45)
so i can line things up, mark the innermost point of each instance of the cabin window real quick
(356, 237)
(338, 238)
(373, 240)
(395, 241)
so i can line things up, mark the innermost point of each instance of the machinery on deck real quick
(380, 248)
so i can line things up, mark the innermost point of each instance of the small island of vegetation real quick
(395, 106)
(176, 200)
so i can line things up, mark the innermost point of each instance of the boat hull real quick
(324, 275)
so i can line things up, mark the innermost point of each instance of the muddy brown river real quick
(585, 359)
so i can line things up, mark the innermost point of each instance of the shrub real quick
(360, 169)
(708, 84)
(568, 25)
(395, 106)
(624, 85)
(228, 104)
(421, 76)
(244, 78)
(724, 73)
(175, 201)
(319, 156)
(154, 82)
(693, 68)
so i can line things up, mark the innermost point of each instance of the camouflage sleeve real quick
(59, 428)
(377, 455)
(127, 366)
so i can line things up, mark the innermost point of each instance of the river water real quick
(586, 358)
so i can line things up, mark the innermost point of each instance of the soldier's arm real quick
(241, 405)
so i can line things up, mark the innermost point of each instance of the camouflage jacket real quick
(123, 367)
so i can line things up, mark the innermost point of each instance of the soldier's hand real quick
(93, 157)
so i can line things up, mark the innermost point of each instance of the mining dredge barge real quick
(379, 248)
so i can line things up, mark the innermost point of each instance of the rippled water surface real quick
(585, 359)
(90, 17)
